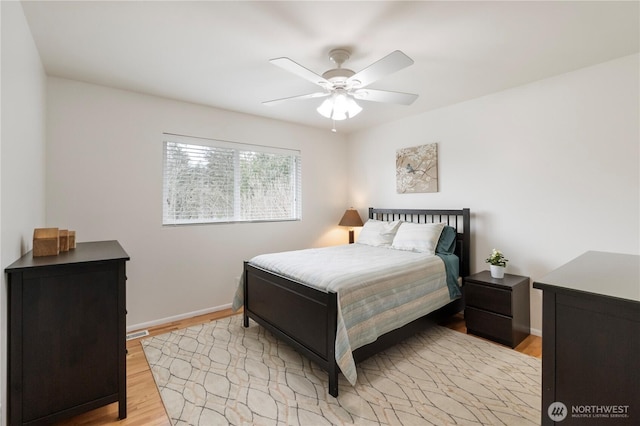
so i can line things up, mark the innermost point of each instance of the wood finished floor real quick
(144, 406)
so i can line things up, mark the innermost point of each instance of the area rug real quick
(220, 373)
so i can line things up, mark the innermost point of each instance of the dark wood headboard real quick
(459, 219)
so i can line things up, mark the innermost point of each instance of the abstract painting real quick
(417, 169)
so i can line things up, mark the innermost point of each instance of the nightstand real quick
(497, 308)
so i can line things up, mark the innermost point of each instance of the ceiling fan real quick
(343, 86)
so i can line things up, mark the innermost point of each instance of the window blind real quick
(210, 181)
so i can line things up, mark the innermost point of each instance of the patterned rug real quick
(221, 373)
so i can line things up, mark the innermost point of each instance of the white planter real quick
(497, 271)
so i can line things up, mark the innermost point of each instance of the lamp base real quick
(351, 240)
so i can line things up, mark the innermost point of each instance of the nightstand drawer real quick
(489, 325)
(488, 298)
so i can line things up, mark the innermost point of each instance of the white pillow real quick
(378, 233)
(420, 237)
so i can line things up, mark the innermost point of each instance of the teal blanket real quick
(445, 250)
(452, 268)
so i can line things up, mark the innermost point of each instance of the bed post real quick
(245, 278)
(466, 243)
(332, 325)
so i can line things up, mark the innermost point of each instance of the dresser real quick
(66, 333)
(497, 308)
(591, 341)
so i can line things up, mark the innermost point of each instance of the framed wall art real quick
(417, 169)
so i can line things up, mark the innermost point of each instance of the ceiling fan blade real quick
(293, 98)
(300, 71)
(391, 63)
(385, 96)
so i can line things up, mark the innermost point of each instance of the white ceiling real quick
(217, 53)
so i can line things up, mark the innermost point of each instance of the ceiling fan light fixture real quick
(339, 106)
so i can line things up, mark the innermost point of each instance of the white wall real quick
(104, 179)
(22, 163)
(549, 170)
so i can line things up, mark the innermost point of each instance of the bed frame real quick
(306, 318)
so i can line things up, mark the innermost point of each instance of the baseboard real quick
(166, 320)
(135, 327)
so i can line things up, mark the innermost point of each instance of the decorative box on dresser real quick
(497, 308)
(66, 333)
(591, 341)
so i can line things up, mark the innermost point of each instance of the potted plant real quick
(498, 263)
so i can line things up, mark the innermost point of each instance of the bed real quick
(311, 316)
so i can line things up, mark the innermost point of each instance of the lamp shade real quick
(351, 218)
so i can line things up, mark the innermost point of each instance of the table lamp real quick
(351, 218)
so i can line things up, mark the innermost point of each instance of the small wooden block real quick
(72, 240)
(64, 240)
(46, 242)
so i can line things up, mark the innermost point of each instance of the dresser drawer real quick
(488, 298)
(489, 325)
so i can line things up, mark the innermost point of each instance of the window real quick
(209, 181)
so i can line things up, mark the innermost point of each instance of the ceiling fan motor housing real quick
(339, 75)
